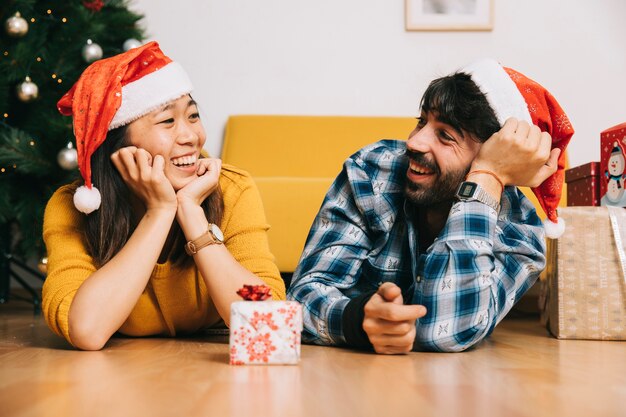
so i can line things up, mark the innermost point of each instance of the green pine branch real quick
(20, 152)
(32, 133)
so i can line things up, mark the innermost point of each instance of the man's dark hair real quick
(456, 100)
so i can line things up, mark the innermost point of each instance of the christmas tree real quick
(44, 47)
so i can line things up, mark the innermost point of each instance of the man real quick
(427, 244)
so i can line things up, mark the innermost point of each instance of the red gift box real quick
(583, 185)
(613, 166)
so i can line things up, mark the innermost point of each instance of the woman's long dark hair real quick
(109, 228)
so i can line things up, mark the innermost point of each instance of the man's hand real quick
(389, 324)
(519, 154)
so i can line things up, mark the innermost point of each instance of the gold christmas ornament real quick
(27, 91)
(43, 265)
(16, 26)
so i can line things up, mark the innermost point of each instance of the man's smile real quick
(419, 169)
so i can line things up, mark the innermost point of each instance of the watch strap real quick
(207, 238)
(471, 191)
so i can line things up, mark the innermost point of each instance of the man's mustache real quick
(420, 159)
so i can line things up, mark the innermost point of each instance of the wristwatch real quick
(213, 236)
(470, 191)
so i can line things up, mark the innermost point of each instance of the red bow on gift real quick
(254, 292)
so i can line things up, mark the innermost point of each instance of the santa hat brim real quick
(502, 94)
(151, 91)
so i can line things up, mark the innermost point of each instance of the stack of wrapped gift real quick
(584, 291)
(583, 185)
(264, 332)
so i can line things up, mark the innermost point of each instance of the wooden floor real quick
(518, 371)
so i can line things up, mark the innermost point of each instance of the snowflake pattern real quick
(289, 313)
(554, 186)
(265, 332)
(233, 356)
(241, 336)
(562, 122)
(260, 348)
(259, 318)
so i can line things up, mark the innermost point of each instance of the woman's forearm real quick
(221, 272)
(223, 276)
(104, 301)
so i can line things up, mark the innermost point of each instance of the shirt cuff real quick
(352, 322)
(470, 220)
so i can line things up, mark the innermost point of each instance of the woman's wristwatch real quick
(213, 236)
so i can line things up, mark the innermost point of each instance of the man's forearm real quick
(474, 276)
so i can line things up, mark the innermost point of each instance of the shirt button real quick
(418, 279)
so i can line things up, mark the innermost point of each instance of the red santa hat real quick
(113, 92)
(512, 94)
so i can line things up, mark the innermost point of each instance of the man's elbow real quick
(455, 347)
(457, 342)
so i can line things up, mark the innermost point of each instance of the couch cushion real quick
(294, 159)
(290, 206)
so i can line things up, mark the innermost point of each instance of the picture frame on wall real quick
(449, 14)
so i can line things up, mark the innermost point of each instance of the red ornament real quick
(93, 5)
(254, 292)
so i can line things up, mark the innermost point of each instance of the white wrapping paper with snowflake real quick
(264, 332)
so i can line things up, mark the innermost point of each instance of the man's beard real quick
(442, 191)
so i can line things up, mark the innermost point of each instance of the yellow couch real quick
(294, 160)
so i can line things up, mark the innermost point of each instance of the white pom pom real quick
(86, 199)
(554, 230)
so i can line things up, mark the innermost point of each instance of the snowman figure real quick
(615, 174)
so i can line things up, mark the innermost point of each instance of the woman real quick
(169, 236)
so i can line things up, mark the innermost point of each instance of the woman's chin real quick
(180, 182)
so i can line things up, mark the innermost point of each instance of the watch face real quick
(467, 189)
(217, 232)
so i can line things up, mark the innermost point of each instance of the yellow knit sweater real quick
(175, 299)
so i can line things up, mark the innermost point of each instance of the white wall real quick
(354, 57)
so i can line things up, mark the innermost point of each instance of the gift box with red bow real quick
(264, 332)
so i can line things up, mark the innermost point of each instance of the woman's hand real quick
(145, 177)
(207, 180)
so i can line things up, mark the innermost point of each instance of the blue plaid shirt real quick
(478, 267)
